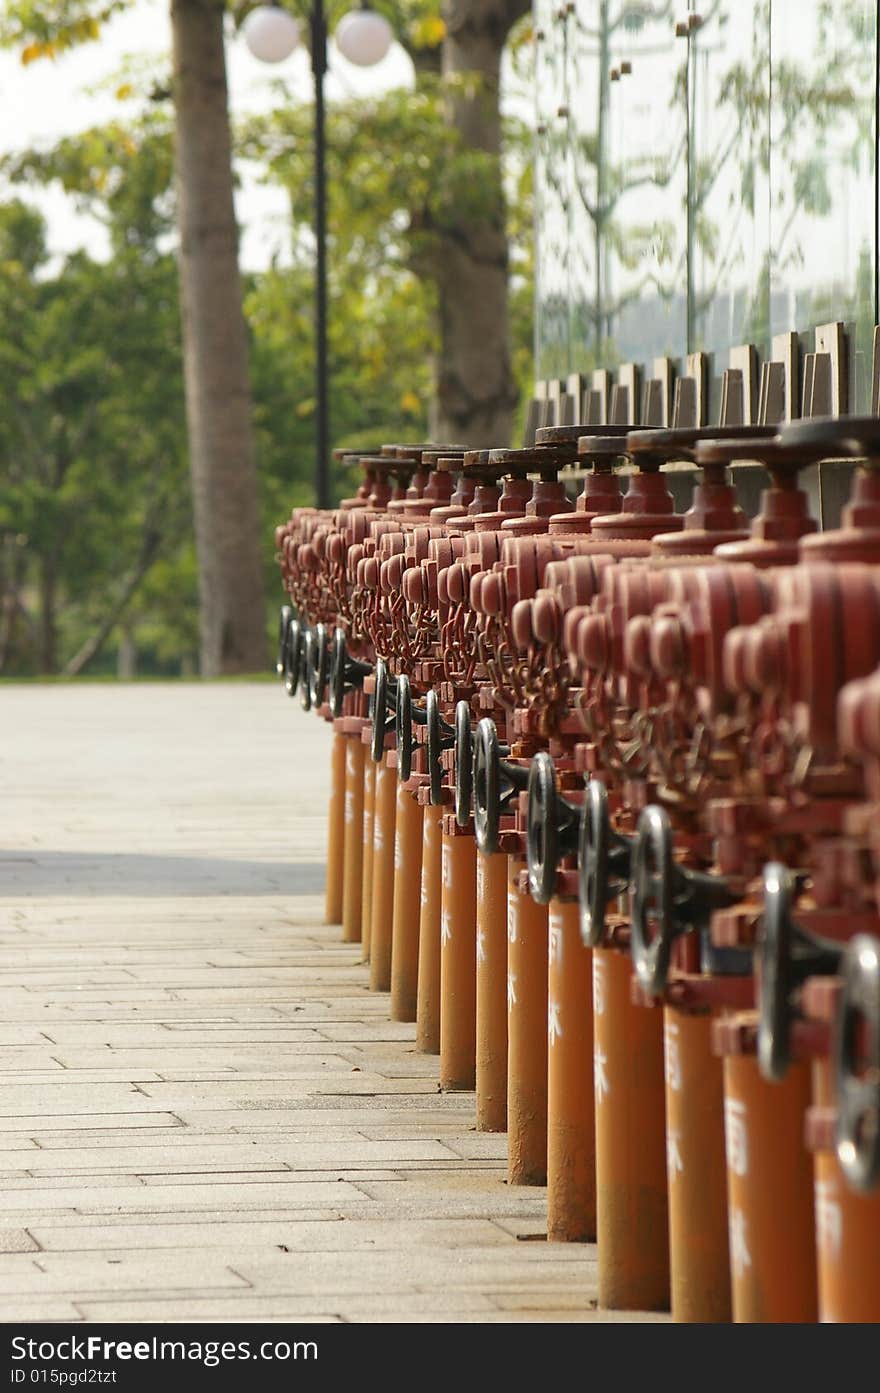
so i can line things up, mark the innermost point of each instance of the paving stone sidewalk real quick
(204, 1112)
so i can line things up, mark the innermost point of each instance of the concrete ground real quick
(204, 1112)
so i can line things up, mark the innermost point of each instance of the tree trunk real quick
(93, 645)
(47, 630)
(12, 565)
(476, 392)
(218, 398)
(126, 655)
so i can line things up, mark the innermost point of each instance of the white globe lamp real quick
(363, 37)
(271, 33)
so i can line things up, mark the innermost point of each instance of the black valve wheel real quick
(856, 1056)
(284, 619)
(337, 673)
(403, 725)
(438, 737)
(496, 783)
(464, 764)
(785, 956)
(307, 677)
(773, 972)
(542, 832)
(320, 662)
(603, 864)
(653, 926)
(486, 780)
(293, 657)
(381, 706)
(344, 674)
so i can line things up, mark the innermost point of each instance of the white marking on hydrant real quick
(739, 1248)
(736, 1136)
(829, 1219)
(598, 986)
(600, 1078)
(674, 1163)
(511, 919)
(672, 1056)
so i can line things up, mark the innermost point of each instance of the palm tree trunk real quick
(476, 392)
(218, 398)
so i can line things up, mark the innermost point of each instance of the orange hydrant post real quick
(335, 831)
(699, 1260)
(352, 879)
(405, 918)
(367, 875)
(632, 1224)
(769, 1194)
(491, 992)
(458, 962)
(382, 909)
(848, 1242)
(526, 1034)
(847, 1233)
(571, 1127)
(428, 1000)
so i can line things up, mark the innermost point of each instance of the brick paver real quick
(204, 1112)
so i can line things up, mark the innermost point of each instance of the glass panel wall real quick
(552, 181)
(822, 174)
(588, 104)
(705, 178)
(646, 186)
(728, 234)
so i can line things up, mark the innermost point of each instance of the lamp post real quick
(363, 37)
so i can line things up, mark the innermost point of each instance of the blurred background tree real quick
(98, 565)
(92, 437)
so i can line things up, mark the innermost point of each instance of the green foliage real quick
(93, 464)
(396, 174)
(92, 459)
(22, 240)
(45, 28)
(379, 310)
(119, 173)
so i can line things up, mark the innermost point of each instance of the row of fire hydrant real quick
(604, 816)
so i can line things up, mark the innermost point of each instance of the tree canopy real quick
(95, 514)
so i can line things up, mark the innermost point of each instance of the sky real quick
(48, 99)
